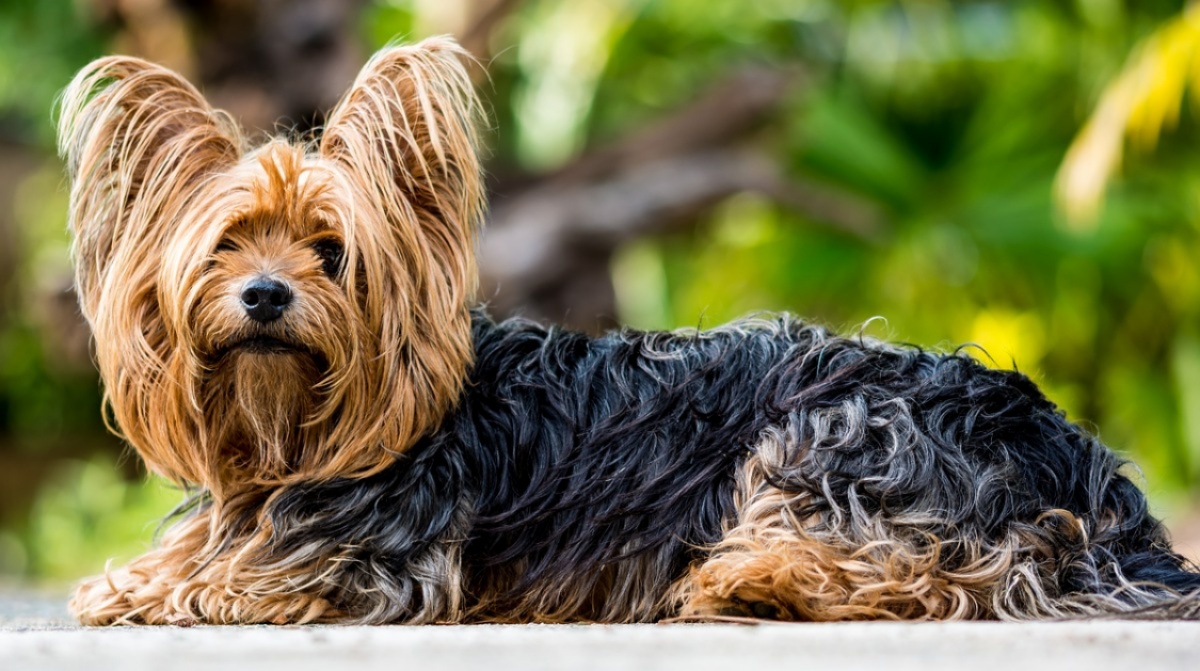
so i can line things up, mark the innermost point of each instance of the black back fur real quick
(568, 456)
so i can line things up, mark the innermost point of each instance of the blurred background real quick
(1020, 174)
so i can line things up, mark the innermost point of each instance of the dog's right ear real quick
(138, 140)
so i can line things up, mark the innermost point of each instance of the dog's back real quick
(766, 468)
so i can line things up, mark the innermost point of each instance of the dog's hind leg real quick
(807, 546)
(780, 562)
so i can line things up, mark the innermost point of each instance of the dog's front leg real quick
(156, 588)
(128, 596)
(182, 583)
(142, 594)
(138, 592)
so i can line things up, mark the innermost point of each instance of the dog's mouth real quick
(266, 345)
(262, 344)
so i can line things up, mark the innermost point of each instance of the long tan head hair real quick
(171, 214)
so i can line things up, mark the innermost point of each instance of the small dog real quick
(290, 331)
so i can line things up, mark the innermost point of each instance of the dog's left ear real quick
(408, 130)
(404, 140)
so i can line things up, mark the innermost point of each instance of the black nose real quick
(265, 299)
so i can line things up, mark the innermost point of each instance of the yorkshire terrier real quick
(290, 331)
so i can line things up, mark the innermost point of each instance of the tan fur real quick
(157, 174)
(213, 568)
(180, 583)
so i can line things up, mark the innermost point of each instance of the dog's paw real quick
(99, 602)
(122, 597)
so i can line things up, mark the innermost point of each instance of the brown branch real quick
(550, 237)
(728, 110)
(541, 242)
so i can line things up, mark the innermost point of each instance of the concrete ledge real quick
(42, 639)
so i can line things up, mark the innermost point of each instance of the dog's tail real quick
(1162, 568)
(1102, 554)
(1162, 585)
(1148, 584)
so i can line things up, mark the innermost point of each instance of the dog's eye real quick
(223, 246)
(330, 252)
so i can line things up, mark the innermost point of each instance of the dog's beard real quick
(261, 405)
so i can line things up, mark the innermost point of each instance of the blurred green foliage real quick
(88, 512)
(949, 117)
(41, 46)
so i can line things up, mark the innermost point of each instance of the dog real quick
(290, 332)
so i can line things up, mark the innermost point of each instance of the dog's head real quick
(284, 312)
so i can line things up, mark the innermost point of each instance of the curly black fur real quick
(572, 464)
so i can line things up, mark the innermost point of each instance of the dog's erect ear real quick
(137, 140)
(405, 140)
(407, 131)
(139, 143)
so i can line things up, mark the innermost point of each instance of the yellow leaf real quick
(1141, 102)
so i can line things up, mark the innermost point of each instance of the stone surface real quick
(23, 609)
(36, 635)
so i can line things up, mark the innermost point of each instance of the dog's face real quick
(289, 312)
